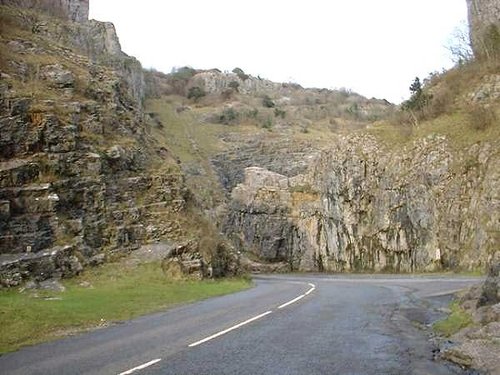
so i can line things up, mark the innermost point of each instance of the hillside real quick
(211, 169)
(240, 121)
(361, 187)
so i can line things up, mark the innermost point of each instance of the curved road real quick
(310, 324)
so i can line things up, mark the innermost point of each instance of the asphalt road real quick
(310, 324)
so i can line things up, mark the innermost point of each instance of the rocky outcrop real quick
(69, 10)
(217, 82)
(484, 22)
(362, 207)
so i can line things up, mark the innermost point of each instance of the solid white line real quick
(313, 287)
(143, 366)
(292, 301)
(229, 329)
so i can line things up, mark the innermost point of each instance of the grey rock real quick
(52, 285)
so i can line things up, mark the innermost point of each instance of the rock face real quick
(484, 21)
(360, 207)
(71, 10)
(77, 182)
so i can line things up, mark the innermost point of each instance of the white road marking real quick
(143, 366)
(229, 329)
(299, 297)
(292, 301)
(312, 288)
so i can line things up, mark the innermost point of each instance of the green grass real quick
(118, 293)
(457, 320)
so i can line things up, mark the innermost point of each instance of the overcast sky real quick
(374, 47)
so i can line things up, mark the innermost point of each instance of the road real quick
(305, 324)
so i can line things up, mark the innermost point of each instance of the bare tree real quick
(459, 44)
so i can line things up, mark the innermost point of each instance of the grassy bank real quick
(457, 320)
(101, 296)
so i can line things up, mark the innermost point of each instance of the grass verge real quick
(117, 292)
(457, 320)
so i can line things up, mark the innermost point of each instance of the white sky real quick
(374, 47)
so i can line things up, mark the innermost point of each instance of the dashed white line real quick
(313, 287)
(143, 366)
(229, 329)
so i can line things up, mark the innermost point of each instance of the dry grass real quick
(449, 113)
(481, 117)
(462, 129)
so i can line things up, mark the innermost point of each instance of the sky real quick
(373, 47)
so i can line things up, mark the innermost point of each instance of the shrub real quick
(253, 113)
(418, 101)
(267, 102)
(268, 123)
(183, 73)
(234, 85)
(196, 93)
(279, 113)
(241, 74)
(228, 116)
(459, 45)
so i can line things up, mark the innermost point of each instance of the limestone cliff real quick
(81, 178)
(363, 207)
(484, 22)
